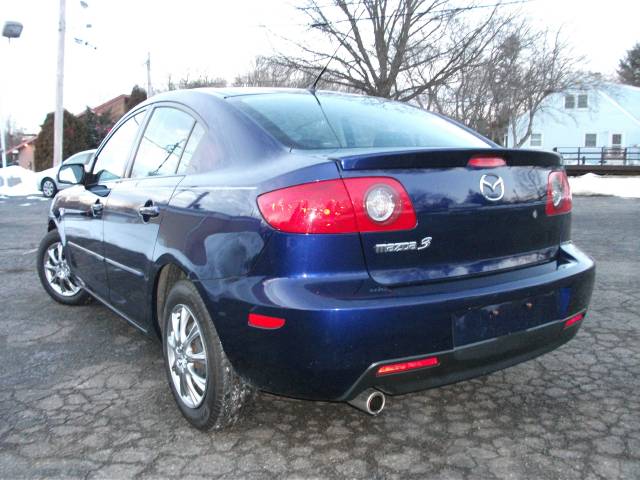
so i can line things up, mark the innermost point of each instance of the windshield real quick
(350, 121)
(82, 157)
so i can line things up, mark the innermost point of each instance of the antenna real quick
(312, 87)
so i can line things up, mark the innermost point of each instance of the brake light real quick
(363, 204)
(405, 366)
(558, 194)
(486, 162)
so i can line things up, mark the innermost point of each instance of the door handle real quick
(96, 209)
(148, 211)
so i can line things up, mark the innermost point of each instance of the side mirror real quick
(71, 174)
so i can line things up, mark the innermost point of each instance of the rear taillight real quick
(320, 207)
(558, 194)
(486, 162)
(364, 204)
(380, 204)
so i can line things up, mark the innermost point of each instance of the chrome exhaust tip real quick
(369, 401)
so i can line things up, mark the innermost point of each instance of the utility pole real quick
(148, 63)
(58, 121)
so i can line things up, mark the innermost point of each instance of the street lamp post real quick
(10, 30)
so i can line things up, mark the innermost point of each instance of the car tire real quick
(48, 187)
(55, 275)
(213, 395)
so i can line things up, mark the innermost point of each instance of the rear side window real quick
(350, 121)
(190, 164)
(163, 142)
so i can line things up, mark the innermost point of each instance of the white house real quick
(602, 122)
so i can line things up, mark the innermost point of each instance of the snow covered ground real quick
(592, 184)
(16, 181)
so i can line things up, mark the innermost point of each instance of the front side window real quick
(162, 143)
(590, 139)
(569, 101)
(536, 140)
(332, 121)
(583, 100)
(114, 156)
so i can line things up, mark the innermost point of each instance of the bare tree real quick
(266, 72)
(395, 49)
(199, 82)
(503, 91)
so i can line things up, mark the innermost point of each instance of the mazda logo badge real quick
(492, 187)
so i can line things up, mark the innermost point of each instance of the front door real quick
(135, 208)
(84, 206)
(81, 218)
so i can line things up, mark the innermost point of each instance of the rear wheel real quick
(49, 188)
(55, 275)
(207, 390)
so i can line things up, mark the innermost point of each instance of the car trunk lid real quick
(470, 221)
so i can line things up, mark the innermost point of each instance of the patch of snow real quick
(16, 181)
(592, 184)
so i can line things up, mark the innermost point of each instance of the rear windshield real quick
(331, 121)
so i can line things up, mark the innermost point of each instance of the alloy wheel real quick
(57, 271)
(48, 188)
(186, 356)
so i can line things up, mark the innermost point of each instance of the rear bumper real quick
(339, 329)
(469, 361)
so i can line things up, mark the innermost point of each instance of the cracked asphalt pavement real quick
(83, 395)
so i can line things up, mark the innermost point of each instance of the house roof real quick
(106, 106)
(22, 144)
(624, 97)
(110, 103)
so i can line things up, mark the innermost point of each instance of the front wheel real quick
(207, 390)
(49, 188)
(55, 275)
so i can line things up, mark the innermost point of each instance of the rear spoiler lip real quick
(443, 158)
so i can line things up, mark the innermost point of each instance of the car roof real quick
(228, 92)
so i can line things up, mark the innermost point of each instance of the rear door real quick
(136, 207)
(470, 220)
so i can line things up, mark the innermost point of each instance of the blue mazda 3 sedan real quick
(317, 245)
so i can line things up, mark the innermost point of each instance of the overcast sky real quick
(216, 38)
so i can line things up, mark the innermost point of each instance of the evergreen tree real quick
(90, 120)
(97, 127)
(138, 95)
(74, 140)
(629, 67)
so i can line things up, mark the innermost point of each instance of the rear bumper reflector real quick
(265, 321)
(406, 366)
(573, 320)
